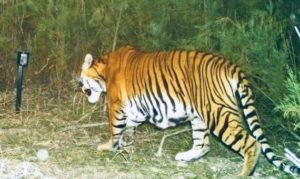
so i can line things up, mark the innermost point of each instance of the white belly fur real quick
(161, 120)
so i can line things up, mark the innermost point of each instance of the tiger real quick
(168, 88)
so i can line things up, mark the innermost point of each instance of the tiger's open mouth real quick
(87, 92)
(91, 88)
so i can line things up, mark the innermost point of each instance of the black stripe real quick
(241, 79)
(246, 150)
(247, 105)
(237, 138)
(177, 121)
(224, 127)
(256, 126)
(235, 68)
(223, 62)
(116, 145)
(178, 89)
(200, 130)
(155, 113)
(117, 134)
(246, 91)
(101, 76)
(121, 119)
(261, 137)
(281, 167)
(254, 121)
(209, 121)
(138, 122)
(219, 112)
(179, 60)
(246, 139)
(119, 126)
(200, 145)
(141, 111)
(148, 118)
(144, 104)
(267, 150)
(171, 67)
(154, 96)
(158, 88)
(192, 110)
(166, 86)
(295, 169)
(251, 114)
(206, 135)
(148, 95)
(274, 158)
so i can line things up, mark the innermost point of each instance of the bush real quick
(290, 105)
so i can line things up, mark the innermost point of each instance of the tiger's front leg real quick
(117, 125)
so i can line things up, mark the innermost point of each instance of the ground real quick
(62, 122)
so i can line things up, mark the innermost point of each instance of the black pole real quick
(19, 88)
(22, 61)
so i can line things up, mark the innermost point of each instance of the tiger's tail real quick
(245, 96)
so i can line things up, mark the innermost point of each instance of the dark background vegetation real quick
(257, 35)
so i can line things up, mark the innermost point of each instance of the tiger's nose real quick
(88, 92)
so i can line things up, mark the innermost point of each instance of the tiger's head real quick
(92, 78)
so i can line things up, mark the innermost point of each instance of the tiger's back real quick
(182, 80)
(169, 88)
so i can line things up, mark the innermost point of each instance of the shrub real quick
(290, 105)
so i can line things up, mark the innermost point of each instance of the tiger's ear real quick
(88, 61)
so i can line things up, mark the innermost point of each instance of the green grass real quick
(58, 124)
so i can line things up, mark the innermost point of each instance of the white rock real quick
(42, 154)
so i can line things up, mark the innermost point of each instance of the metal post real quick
(19, 88)
(22, 61)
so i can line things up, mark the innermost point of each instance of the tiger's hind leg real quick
(200, 141)
(232, 133)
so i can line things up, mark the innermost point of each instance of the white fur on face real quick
(94, 86)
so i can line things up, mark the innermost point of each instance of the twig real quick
(43, 67)
(82, 126)
(292, 157)
(74, 102)
(159, 151)
(84, 117)
(292, 133)
(117, 28)
(296, 29)
(267, 96)
(119, 152)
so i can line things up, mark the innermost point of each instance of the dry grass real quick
(61, 121)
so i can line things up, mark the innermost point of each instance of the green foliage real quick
(290, 105)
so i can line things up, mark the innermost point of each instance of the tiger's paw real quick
(105, 147)
(192, 154)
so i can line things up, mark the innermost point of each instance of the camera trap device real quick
(22, 62)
